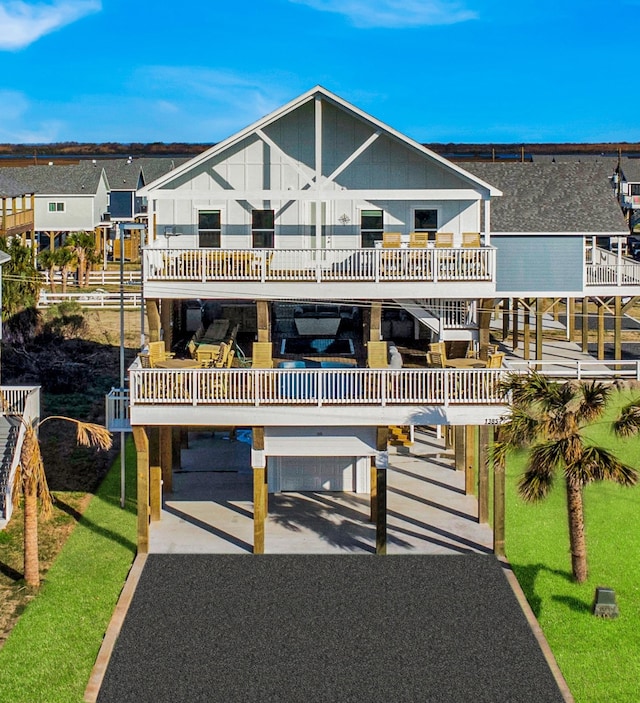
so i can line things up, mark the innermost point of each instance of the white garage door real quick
(323, 473)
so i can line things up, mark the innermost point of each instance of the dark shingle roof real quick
(552, 197)
(83, 177)
(630, 169)
(122, 174)
(153, 168)
(9, 187)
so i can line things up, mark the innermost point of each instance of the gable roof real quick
(77, 179)
(9, 187)
(326, 95)
(630, 169)
(553, 197)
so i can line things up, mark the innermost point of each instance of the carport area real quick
(222, 627)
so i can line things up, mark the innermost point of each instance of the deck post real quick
(166, 322)
(155, 473)
(483, 473)
(498, 508)
(176, 458)
(166, 458)
(142, 478)
(539, 333)
(263, 309)
(571, 319)
(505, 318)
(470, 459)
(375, 327)
(153, 318)
(260, 493)
(514, 315)
(382, 461)
(373, 495)
(617, 329)
(585, 325)
(600, 304)
(458, 443)
(526, 329)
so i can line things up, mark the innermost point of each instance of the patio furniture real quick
(391, 240)
(418, 240)
(465, 364)
(157, 352)
(470, 239)
(495, 360)
(444, 240)
(435, 360)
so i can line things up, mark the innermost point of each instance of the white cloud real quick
(395, 13)
(22, 23)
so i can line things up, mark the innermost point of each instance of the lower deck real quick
(211, 507)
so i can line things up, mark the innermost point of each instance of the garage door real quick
(310, 473)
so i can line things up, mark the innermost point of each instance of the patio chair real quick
(440, 348)
(444, 240)
(262, 355)
(435, 360)
(377, 357)
(418, 240)
(391, 240)
(470, 239)
(158, 352)
(495, 360)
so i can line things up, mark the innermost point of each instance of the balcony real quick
(16, 222)
(609, 273)
(630, 202)
(316, 271)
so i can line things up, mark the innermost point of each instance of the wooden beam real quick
(470, 459)
(498, 509)
(257, 437)
(375, 328)
(505, 318)
(485, 312)
(259, 512)
(142, 479)
(263, 309)
(166, 458)
(600, 305)
(539, 328)
(176, 454)
(381, 511)
(155, 493)
(483, 473)
(166, 322)
(571, 319)
(458, 447)
(373, 498)
(514, 316)
(153, 319)
(585, 325)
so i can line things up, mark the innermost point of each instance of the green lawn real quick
(51, 651)
(600, 659)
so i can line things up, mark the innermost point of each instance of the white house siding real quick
(78, 213)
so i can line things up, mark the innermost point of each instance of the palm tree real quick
(66, 260)
(20, 280)
(31, 482)
(83, 246)
(48, 260)
(548, 418)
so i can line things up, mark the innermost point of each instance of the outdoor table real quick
(178, 364)
(465, 364)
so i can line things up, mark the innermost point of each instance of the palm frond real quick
(521, 429)
(534, 486)
(628, 422)
(598, 464)
(88, 434)
(31, 477)
(593, 398)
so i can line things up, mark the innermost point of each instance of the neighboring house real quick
(17, 209)
(314, 227)
(67, 199)
(627, 179)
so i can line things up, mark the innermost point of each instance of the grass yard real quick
(51, 651)
(599, 658)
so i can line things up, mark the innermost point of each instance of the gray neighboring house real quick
(628, 185)
(67, 198)
(548, 221)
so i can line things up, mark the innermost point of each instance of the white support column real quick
(318, 170)
(487, 222)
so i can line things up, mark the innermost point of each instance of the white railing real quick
(91, 299)
(117, 410)
(606, 269)
(22, 402)
(320, 265)
(259, 387)
(578, 368)
(452, 314)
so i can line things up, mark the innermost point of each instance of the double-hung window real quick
(262, 229)
(371, 227)
(426, 221)
(209, 228)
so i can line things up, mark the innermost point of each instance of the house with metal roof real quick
(354, 273)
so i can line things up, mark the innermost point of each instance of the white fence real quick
(92, 299)
(98, 278)
(578, 368)
(606, 269)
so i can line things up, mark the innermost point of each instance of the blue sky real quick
(437, 70)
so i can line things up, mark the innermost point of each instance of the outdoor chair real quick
(435, 360)
(158, 352)
(418, 240)
(444, 240)
(495, 360)
(391, 240)
(470, 239)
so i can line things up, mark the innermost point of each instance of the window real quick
(262, 229)
(209, 228)
(634, 188)
(56, 207)
(371, 227)
(426, 221)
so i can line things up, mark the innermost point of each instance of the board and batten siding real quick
(539, 263)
